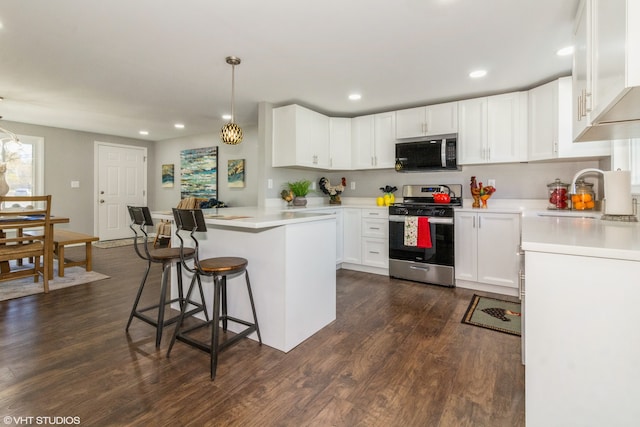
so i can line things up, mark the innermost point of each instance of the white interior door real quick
(121, 181)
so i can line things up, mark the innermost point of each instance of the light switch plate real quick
(75, 184)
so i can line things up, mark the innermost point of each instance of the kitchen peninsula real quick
(580, 307)
(292, 267)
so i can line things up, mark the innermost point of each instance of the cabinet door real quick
(506, 128)
(466, 243)
(609, 36)
(385, 140)
(340, 143)
(362, 130)
(441, 119)
(315, 128)
(472, 133)
(410, 123)
(543, 122)
(581, 68)
(352, 235)
(498, 248)
(284, 136)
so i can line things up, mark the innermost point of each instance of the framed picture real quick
(167, 176)
(199, 173)
(235, 173)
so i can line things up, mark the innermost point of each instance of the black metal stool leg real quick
(253, 307)
(224, 303)
(140, 289)
(163, 299)
(215, 331)
(183, 311)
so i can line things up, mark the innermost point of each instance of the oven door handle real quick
(434, 220)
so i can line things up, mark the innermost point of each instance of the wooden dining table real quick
(19, 224)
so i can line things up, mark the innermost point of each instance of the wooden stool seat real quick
(226, 265)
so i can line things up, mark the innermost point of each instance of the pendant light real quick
(231, 133)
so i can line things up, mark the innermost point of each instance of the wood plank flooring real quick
(397, 355)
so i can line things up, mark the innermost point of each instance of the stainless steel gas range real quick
(429, 258)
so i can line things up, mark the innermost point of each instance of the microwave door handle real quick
(443, 153)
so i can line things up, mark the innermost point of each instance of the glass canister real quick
(558, 195)
(584, 198)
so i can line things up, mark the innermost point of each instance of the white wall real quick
(68, 156)
(168, 152)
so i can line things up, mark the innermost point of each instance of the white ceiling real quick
(119, 66)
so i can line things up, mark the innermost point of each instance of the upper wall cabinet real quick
(373, 141)
(550, 123)
(606, 70)
(493, 129)
(437, 119)
(300, 138)
(339, 143)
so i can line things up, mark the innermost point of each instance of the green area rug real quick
(495, 314)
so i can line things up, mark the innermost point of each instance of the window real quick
(23, 165)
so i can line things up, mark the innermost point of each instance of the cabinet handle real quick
(374, 252)
(587, 109)
(579, 109)
(474, 222)
(479, 222)
(374, 228)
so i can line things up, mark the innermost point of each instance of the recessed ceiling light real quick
(179, 126)
(355, 96)
(568, 50)
(144, 132)
(477, 74)
(226, 116)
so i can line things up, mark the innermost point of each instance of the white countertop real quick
(254, 217)
(581, 236)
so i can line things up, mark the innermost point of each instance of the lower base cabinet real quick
(487, 247)
(366, 240)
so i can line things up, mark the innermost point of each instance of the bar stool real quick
(192, 221)
(140, 219)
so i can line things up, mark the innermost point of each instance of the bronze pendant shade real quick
(231, 133)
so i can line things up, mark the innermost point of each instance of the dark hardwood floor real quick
(397, 355)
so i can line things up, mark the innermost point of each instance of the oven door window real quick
(441, 252)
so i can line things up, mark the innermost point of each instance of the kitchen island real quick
(581, 340)
(292, 267)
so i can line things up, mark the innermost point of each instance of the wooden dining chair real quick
(17, 215)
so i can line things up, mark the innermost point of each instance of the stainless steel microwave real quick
(433, 154)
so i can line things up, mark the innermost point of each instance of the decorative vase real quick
(299, 201)
(484, 199)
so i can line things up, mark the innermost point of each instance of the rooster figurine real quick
(332, 190)
(287, 195)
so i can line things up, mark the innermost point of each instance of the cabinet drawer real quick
(373, 227)
(375, 252)
(375, 213)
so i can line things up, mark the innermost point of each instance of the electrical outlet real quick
(269, 183)
(491, 182)
(313, 185)
(353, 185)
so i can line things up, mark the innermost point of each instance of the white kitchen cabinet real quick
(300, 137)
(550, 122)
(373, 141)
(493, 129)
(581, 364)
(486, 249)
(606, 70)
(439, 119)
(375, 238)
(338, 212)
(339, 143)
(366, 240)
(352, 224)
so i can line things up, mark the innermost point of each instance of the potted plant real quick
(300, 189)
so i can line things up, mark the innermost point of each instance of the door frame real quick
(96, 176)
